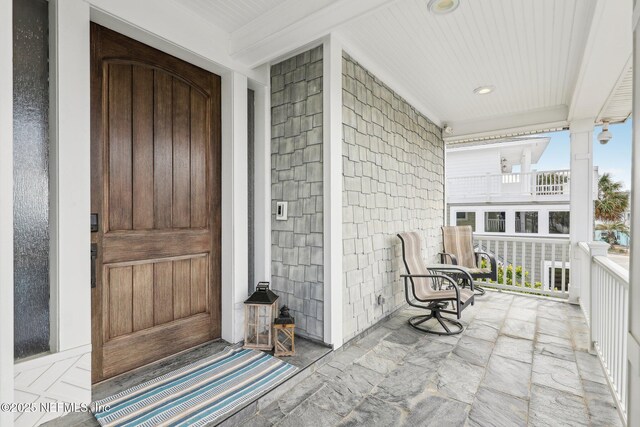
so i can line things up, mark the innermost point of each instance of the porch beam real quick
(581, 190)
(6, 208)
(332, 164)
(633, 356)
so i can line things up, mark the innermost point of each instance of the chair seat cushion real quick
(448, 294)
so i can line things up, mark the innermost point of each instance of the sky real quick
(614, 157)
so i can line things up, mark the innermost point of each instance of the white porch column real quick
(633, 415)
(262, 182)
(6, 209)
(235, 237)
(581, 216)
(70, 175)
(332, 163)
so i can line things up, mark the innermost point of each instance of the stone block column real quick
(581, 216)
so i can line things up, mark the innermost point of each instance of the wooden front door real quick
(155, 159)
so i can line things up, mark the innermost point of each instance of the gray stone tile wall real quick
(393, 170)
(296, 177)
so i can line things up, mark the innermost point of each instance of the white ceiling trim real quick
(606, 54)
(266, 38)
(620, 102)
(525, 123)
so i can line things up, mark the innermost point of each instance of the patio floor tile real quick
(458, 379)
(519, 329)
(514, 348)
(437, 411)
(508, 376)
(374, 412)
(556, 373)
(492, 408)
(551, 407)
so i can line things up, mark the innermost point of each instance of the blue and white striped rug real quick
(198, 394)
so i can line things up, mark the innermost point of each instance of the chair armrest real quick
(492, 262)
(432, 276)
(445, 255)
(450, 268)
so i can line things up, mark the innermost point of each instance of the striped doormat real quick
(201, 393)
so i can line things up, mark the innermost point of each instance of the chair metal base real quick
(416, 321)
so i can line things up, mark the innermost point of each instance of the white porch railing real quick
(605, 303)
(541, 183)
(532, 265)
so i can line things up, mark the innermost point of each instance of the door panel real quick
(156, 186)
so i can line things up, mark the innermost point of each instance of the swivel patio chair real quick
(430, 287)
(458, 250)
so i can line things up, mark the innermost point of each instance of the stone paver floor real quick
(520, 361)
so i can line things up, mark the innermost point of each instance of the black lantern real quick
(259, 310)
(284, 328)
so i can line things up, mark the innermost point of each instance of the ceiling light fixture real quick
(441, 7)
(483, 90)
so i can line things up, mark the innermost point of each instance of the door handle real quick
(94, 256)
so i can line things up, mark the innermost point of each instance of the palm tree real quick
(612, 201)
(611, 228)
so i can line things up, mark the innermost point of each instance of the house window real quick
(466, 218)
(494, 222)
(527, 222)
(31, 177)
(559, 222)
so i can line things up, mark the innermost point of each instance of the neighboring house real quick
(493, 187)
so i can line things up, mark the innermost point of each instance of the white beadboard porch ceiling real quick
(231, 15)
(529, 50)
(551, 61)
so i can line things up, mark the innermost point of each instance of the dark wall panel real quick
(31, 175)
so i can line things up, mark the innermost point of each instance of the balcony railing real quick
(543, 184)
(532, 265)
(605, 302)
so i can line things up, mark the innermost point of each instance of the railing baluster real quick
(564, 284)
(523, 263)
(552, 279)
(543, 273)
(504, 263)
(625, 321)
(533, 265)
(514, 279)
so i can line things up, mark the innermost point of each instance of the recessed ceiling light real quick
(483, 90)
(440, 7)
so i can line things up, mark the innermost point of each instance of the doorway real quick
(156, 197)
